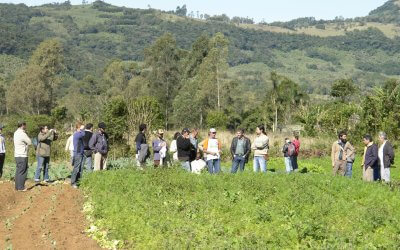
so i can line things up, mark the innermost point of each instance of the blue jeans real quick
(295, 166)
(260, 162)
(349, 169)
(288, 164)
(42, 162)
(214, 166)
(186, 166)
(238, 162)
(88, 161)
(75, 175)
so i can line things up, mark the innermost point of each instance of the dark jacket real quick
(388, 155)
(139, 140)
(99, 143)
(86, 138)
(247, 147)
(184, 148)
(371, 156)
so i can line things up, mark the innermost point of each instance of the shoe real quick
(47, 181)
(75, 186)
(22, 190)
(37, 180)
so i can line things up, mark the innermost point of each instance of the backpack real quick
(291, 149)
(35, 142)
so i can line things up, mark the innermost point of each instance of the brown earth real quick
(44, 217)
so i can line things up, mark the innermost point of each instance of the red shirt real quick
(296, 144)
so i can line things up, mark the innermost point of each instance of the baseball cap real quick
(213, 130)
(160, 131)
(185, 130)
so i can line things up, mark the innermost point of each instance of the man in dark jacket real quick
(142, 148)
(184, 149)
(370, 161)
(99, 144)
(240, 151)
(87, 152)
(386, 157)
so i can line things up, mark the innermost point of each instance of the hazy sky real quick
(269, 10)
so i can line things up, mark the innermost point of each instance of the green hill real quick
(313, 53)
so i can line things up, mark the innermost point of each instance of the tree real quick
(49, 57)
(181, 11)
(144, 110)
(343, 89)
(163, 58)
(115, 116)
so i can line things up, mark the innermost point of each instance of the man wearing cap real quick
(159, 149)
(212, 151)
(21, 147)
(184, 149)
(2, 150)
(99, 144)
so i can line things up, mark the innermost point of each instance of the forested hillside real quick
(107, 51)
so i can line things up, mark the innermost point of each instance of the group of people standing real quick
(195, 156)
(376, 161)
(84, 145)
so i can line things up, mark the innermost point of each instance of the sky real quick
(268, 10)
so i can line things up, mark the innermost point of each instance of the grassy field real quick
(173, 209)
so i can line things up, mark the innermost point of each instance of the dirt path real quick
(45, 217)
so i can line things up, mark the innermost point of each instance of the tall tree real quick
(163, 59)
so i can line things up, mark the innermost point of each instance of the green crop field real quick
(168, 208)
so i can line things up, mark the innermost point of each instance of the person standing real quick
(350, 152)
(87, 151)
(386, 157)
(370, 163)
(212, 149)
(142, 148)
(260, 147)
(99, 145)
(240, 151)
(159, 149)
(296, 143)
(288, 151)
(21, 147)
(185, 148)
(193, 139)
(2, 150)
(78, 154)
(173, 147)
(43, 149)
(342, 155)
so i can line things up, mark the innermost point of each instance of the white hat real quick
(213, 130)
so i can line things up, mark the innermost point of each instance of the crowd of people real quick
(194, 156)
(89, 149)
(84, 145)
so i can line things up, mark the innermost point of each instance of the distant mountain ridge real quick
(313, 53)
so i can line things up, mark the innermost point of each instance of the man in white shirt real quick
(386, 157)
(2, 150)
(21, 145)
(212, 151)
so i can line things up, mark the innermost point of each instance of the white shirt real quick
(380, 154)
(213, 148)
(173, 149)
(70, 145)
(197, 166)
(21, 143)
(2, 144)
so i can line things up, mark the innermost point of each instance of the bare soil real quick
(45, 217)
